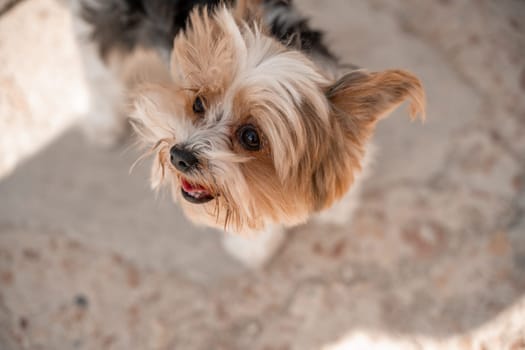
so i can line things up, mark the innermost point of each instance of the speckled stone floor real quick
(435, 259)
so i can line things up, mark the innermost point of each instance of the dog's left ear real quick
(360, 99)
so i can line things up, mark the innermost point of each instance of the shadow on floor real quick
(408, 263)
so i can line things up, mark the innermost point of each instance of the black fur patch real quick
(293, 29)
(125, 24)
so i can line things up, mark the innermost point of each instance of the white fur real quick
(256, 250)
(103, 124)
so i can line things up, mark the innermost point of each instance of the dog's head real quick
(249, 132)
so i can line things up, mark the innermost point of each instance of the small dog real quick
(252, 121)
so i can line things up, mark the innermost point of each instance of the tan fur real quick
(314, 131)
(358, 101)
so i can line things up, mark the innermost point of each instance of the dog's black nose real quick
(182, 159)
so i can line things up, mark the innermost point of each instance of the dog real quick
(250, 119)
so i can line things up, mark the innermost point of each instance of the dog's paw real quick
(256, 250)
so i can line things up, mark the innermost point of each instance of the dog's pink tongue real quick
(188, 187)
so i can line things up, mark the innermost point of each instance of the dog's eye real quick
(198, 106)
(249, 138)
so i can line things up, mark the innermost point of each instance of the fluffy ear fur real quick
(358, 100)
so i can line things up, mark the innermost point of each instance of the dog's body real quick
(243, 106)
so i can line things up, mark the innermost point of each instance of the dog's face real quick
(249, 133)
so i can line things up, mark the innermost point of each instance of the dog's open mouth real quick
(194, 193)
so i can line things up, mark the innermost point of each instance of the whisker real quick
(152, 150)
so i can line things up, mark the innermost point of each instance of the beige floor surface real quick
(435, 259)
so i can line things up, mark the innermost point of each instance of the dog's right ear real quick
(360, 99)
